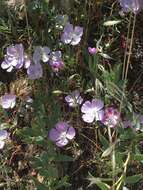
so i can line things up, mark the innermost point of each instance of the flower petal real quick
(75, 40)
(88, 118)
(68, 28)
(97, 104)
(86, 107)
(10, 69)
(79, 100)
(45, 54)
(2, 143)
(8, 101)
(62, 126)
(70, 133)
(37, 54)
(69, 98)
(62, 142)
(5, 65)
(3, 135)
(99, 115)
(78, 31)
(54, 135)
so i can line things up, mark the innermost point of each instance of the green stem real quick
(112, 158)
(128, 62)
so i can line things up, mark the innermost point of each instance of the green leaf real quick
(104, 55)
(62, 182)
(98, 182)
(111, 22)
(138, 157)
(104, 141)
(63, 158)
(134, 179)
(119, 159)
(39, 186)
(128, 134)
(108, 151)
(50, 172)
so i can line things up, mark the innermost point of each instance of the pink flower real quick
(111, 117)
(92, 51)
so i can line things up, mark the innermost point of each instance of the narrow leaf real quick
(111, 22)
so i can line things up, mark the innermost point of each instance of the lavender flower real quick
(92, 111)
(62, 133)
(55, 61)
(131, 5)
(13, 58)
(8, 101)
(72, 35)
(3, 137)
(74, 99)
(35, 71)
(53, 58)
(41, 53)
(111, 117)
(92, 51)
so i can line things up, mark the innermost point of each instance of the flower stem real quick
(112, 158)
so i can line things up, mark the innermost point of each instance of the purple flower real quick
(35, 71)
(131, 5)
(8, 101)
(92, 51)
(3, 137)
(92, 111)
(55, 61)
(62, 133)
(111, 117)
(74, 99)
(13, 58)
(57, 65)
(72, 35)
(41, 53)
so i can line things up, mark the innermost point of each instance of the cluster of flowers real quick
(92, 111)
(16, 57)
